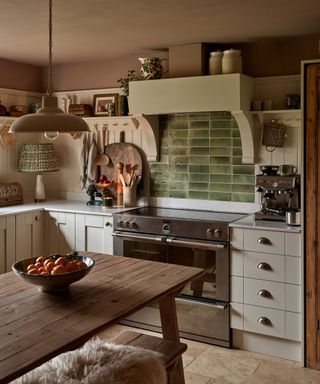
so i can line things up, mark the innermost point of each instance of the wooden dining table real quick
(36, 326)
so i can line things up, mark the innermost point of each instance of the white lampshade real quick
(49, 118)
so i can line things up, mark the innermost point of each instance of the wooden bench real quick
(170, 350)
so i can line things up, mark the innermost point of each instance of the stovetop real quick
(185, 214)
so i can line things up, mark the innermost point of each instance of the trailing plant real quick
(124, 81)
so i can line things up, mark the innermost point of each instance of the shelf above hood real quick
(232, 92)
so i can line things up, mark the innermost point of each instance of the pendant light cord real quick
(49, 89)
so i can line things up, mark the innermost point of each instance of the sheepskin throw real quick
(98, 362)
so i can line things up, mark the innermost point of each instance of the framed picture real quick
(105, 105)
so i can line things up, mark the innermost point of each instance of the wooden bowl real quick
(52, 283)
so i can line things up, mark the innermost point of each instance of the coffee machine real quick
(279, 194)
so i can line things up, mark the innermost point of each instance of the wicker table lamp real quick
(38, 158)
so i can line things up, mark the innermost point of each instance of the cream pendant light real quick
(49, 118)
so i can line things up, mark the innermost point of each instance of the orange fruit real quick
(48, 261)
(31, 266)
(42, 269)
(49, 266)
(81, 265)
(59, 270)
(40, 259)
(61, 261)
(72, 266)
(33, 271)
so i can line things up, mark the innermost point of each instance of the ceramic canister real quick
(231, 61)
(215, 63)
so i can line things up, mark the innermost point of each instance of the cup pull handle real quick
(264, 321)
(265, 293)
(264, 241)
(264, 266)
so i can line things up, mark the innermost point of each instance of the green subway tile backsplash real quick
(200, 158)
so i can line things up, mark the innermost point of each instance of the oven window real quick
(205, 286)
(142, 249)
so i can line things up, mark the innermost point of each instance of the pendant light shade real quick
(49, 118)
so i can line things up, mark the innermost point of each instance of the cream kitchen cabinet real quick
(59, 232)
(266, 282)
(94, 233)
(29, 234)
(7, 243)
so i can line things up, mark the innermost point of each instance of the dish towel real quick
(92, 170)
(84, 161)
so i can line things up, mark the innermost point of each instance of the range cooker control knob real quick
(132, 225)
(126, 224)
(166, 229)
(209, 232)
(120, 223)
(217, 233)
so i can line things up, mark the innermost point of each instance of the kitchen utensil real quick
(269, 170)
(274, 135)
(120, 183)
(293, 217)
(288, 170)
(151, 67)
(102, 158)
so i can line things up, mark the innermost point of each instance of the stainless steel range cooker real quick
(184, 237)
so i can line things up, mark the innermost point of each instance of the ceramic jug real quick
(151, 67)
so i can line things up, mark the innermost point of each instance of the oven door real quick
(213, 256)
(140, 246)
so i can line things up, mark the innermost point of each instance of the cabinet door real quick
(29, 235)
(94, 233)
(59, 232)
(7, 243)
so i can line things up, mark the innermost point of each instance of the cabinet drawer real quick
(236, 289)
(293, 244)
(266, 266)
(264, 293)
(264, 241)
(293, 326)
(236, 315)
(293, 270)
(236, 238)
(264, 320)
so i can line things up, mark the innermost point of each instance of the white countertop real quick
(250, 223)
(61, 206)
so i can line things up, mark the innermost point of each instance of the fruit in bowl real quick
(103, 182)
(54, 273)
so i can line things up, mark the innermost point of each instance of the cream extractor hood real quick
(232, 92)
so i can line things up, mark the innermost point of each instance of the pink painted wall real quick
(20, 76)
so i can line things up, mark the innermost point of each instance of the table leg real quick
(169, 323)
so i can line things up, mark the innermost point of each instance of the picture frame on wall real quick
(105, 104)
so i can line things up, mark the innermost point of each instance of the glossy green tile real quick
(180, 151)
(181, 176)
(180, 117)
(178, 194)
(156, 167)
(178, 160)
(159, 193)
(158, 176)
(195, 151)
(219, 187)
(178, 168)
(199, 116)
(221, 169)
(222, 196)
(201, 160)
(221, 151)
(219, 142)
(242, 179)
(234, 123)
(199, 142)
(243, 197)
(220, 133)
(200, 133)
(178, 185)
(243, 169)
(176, 124)
(199, 177)
(236, 160)
(159, 186)
(194, 186)
(220, 124)
(237, 151)
(178, 142)
(220, 115)
(178, 134)
(236, 142)
(199, 168)
(199, 125)
(220, 178)
(243, 188)
(235, 133)
(225, 160)
(198, 195)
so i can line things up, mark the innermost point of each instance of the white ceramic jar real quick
(215, 63)
(231, 61)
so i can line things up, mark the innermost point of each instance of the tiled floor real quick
(207, 364)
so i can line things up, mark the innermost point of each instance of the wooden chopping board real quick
(125, 153)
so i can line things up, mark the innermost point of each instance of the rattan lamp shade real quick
(38, 158)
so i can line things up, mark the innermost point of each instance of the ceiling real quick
(91, 30)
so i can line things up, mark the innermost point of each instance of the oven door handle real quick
(206, 245)
(138, 237)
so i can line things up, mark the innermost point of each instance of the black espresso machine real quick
(279, 194)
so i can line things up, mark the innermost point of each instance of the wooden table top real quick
(36, 326)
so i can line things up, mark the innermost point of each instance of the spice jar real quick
(215, 63)
(231, 61)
